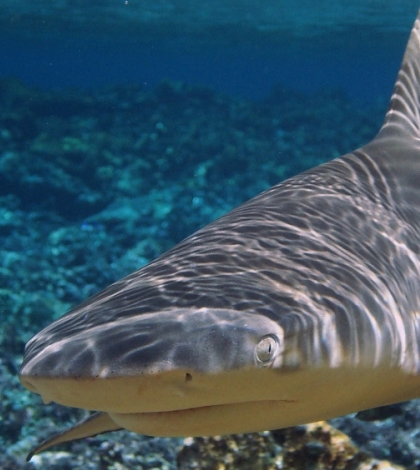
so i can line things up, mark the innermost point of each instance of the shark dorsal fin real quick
(403, 116)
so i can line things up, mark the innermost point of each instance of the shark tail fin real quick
(403, 116)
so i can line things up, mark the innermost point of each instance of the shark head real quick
(302, 304)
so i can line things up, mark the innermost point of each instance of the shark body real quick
(301, 304)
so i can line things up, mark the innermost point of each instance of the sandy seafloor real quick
(97, 180)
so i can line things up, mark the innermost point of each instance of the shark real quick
(301, 304)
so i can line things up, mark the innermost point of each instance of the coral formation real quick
(316, 446)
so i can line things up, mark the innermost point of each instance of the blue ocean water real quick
(103, 166)
(360, 70)
(361, 57)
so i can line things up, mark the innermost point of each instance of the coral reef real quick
(316, 446)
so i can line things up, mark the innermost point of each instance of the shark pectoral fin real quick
(91, 426)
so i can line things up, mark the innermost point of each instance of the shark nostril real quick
(188, 377)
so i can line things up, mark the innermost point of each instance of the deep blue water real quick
(364, 71)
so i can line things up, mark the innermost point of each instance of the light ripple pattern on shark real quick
(301, 304)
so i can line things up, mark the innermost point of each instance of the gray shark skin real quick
(316, 277)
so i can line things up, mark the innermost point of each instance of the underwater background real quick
(127, 125)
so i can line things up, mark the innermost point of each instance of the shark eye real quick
(266, 350)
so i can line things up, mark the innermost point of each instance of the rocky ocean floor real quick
(95, 184)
